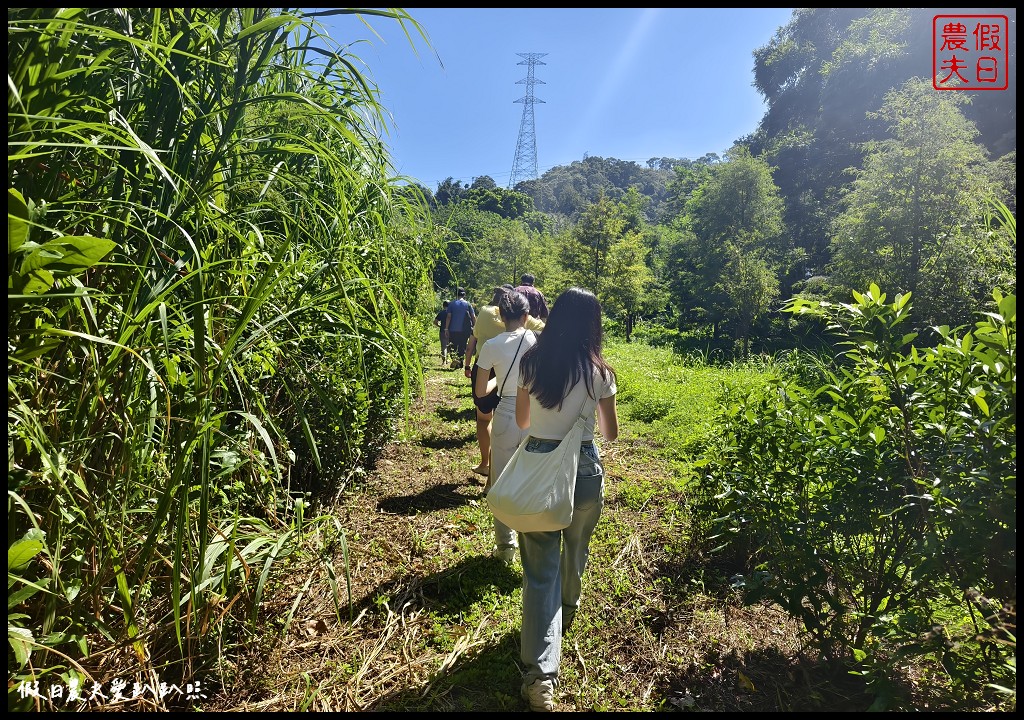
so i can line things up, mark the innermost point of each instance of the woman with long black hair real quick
(561, 377)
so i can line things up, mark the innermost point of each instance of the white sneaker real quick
(540, 694)
(505, 554)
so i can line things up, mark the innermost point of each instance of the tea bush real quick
(871, 505)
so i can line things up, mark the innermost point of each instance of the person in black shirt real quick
(442, 334)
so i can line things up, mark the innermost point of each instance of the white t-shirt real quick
(499, 353)
(555, 424)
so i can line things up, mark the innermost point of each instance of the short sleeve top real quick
(553, 424)
(488, 325)
(503, 353)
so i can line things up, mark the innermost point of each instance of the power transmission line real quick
(524, 167)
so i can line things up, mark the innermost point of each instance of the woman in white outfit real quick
(562, 377)
(503, 353)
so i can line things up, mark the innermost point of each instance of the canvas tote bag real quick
(534, 493)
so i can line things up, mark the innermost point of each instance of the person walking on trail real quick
(502, 354)
(489, 324)
(442, 334)
(563, 375)
(538, 303)
(459, 324)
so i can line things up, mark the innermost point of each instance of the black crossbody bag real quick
(488, 402)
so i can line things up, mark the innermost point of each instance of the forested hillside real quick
(859, 171)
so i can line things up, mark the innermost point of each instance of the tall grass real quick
(210, 280)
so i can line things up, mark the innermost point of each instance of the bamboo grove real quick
(213, 286)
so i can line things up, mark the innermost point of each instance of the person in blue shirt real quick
(459, 324)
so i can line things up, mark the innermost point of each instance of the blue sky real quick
(624, 83)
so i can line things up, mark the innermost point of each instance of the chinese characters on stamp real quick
(970, 52)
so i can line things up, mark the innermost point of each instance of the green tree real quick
(502, 255)
(501, 201)
(493, 237)
(627, 279)
(752, 288)
(686, 178)
(584, 253)
(462, 225)
(449, 190)
(694, 270)
(739, 203)
(483, 182)
(633, 208)
(733, 218)
(657, 299)
(913, 217)
(820, 74)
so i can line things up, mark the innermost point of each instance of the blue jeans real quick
(553, 565)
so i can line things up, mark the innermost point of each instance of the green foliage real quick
(212, 286)
(907, 227)
(725, 264)
(449, 191)
(485, 248)
(508, 204)
(738, 202)
(682, 397)
(752, 288)
(584, 251)
(866, 504)
(821, 74)
(697, 345)
(629, 277)
(34, 267)
(567, 190)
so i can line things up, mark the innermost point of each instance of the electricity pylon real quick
(524, 167)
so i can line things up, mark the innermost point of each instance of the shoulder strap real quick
(521, 338)
(586, 400)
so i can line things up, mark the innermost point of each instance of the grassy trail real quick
(431, 622)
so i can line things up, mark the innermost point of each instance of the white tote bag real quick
(534, 493)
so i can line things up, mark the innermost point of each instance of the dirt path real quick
(406, 527)
(433, 620)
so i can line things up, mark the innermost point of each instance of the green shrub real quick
(210, 279)
(648, 409)
(884, 494)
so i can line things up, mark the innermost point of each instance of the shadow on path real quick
(437, 497)
(455, 414)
